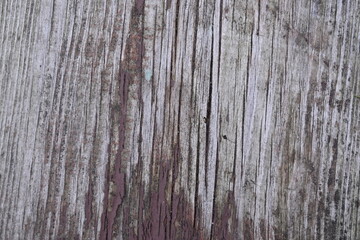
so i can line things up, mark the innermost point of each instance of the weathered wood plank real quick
(179, 119)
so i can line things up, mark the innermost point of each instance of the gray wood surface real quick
(207, 119)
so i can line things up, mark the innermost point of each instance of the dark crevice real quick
(141, 111)
(208, 115)
(177, 155)
(193, 66)
(197, 178)
(235, 156)
(217, 152)
(258, 23)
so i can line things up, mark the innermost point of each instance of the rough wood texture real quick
(179, 119)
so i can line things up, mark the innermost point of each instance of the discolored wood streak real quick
(178, 119)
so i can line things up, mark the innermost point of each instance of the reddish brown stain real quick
(248, 226)
(171, 220)
(112, 203)
(225, 222)
(162, 213)
(130, 72)
(263, 229)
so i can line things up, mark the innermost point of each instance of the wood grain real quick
(179, 119)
